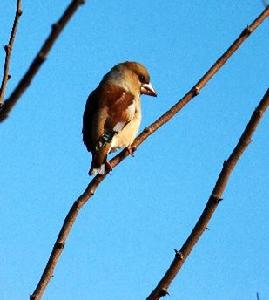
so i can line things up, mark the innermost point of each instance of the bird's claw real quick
(108, 167)
(131, 150)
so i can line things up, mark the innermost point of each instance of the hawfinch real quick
(113, 112)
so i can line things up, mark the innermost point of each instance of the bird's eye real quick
(141, 78)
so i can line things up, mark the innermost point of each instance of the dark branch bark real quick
(93, 185)
(40, 58)
(8, 49)
(212, 203)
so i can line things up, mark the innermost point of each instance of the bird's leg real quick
(131, 150)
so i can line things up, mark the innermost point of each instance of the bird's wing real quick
(107, 111)
(89, 118)
(119, 104)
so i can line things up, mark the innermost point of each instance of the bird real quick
(112, 113)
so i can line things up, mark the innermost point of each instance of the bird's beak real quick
(148, 89)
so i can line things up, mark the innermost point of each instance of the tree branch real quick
(8, 49)
(213, 201)
(40, 58)
(93, 185)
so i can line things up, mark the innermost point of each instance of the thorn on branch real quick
(41, 56)
(247, 31)
(19, 13)
(179, 254)
(54, 26)
(215, 198)
(7, 48)
(195, 90)
(163, 292)
(147, 130)
(8, 76)
(60, 245)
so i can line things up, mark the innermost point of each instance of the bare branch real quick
(93, 185)
(8, 49)
(40, 58)
(213, 201)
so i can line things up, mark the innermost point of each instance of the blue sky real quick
(123, 239)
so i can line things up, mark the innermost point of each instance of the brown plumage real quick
(112, 113)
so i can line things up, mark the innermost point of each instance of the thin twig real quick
(213, 201)
(93, 185)
(258, 296)
(8, 49)
(40, 58)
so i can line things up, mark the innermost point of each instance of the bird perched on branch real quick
(113, 112)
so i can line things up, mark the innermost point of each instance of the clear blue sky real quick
(123, 239)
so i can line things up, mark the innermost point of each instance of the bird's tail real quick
(99, 165)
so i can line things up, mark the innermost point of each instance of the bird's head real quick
(136, 77)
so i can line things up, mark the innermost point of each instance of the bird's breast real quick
(131, 110)
(126, 136)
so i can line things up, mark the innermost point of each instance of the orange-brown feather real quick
(105, 108)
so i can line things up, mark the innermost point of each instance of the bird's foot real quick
(131, 150)
(108, 167)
